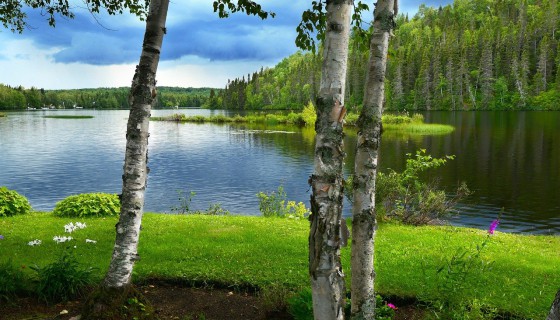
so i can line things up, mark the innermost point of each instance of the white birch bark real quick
(327, 278)
(141, 97)
(555, 309)
(367, 153)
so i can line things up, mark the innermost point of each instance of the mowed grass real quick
(256, 252)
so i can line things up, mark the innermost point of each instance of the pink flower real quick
(493, 226)
(392, 306)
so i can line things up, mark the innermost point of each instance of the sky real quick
(199, 49)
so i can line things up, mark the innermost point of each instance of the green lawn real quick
(257, 252)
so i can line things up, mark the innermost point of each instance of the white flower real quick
(71, 227)
(58, 239)
(33, 243)
(91, 241)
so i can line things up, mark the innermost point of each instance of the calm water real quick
(509, 160)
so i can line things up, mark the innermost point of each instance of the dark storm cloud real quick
(108, 40)
(84, 40)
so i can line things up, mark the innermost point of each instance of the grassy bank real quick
(260, 252)
(410, 124)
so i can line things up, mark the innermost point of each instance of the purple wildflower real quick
(392, 306)
(493, 226)
(1, 237)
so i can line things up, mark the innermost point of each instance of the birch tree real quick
(115, 288)
(367, 154)
(555, 309)
(325, 269)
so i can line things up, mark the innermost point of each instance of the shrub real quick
(219, 118)
(11, 281)
(88, 205)
(63, 279)
(275, 204)
(309, 115)
(295, 118)
(404, 196)
(185, 199)
(12, 203)
(216, 209)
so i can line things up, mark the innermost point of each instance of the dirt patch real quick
(170, 301)
(177, 302)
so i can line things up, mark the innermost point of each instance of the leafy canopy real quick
(13, 13)
(313, 24)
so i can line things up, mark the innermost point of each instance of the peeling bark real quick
(555, 309)
(325, 269)
(142, 96)
(109, 299)
(364, 222)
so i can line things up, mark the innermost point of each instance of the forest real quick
(101, 98)
(469, 55)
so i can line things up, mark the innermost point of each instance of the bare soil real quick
(177, 302)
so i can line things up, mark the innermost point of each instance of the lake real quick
(509, 160)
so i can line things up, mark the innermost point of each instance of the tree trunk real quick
(555, 309)
(327, 278)
(108, 300)
(367, 153)
(142, 96)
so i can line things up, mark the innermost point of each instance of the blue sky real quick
(199, 50)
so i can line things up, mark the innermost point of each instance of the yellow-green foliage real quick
(275, 204)
(12, 203)
(309, 114)
(88, 205)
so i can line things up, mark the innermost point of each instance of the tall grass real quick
(410, 124)
(254, 252)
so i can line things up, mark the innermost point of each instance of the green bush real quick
(404, 196)
(309, 115)
(295, 119)
(275, 204)
(63, 279)
(88, 205)
(11, 281)
(12, 203)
